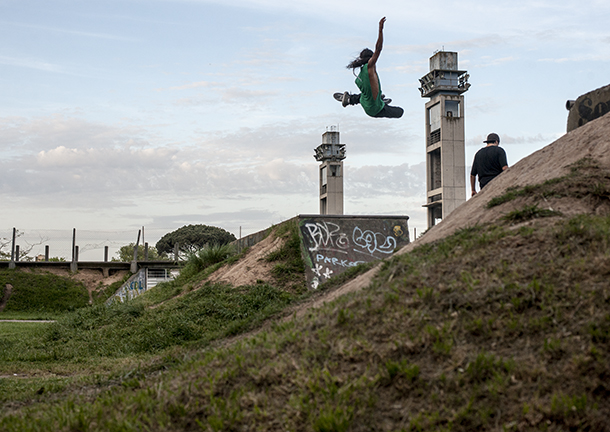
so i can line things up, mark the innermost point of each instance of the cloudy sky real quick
(160, 113)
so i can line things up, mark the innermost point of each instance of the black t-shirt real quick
(488, 163)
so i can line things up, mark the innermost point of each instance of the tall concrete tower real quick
(445, 156)
(331, 154)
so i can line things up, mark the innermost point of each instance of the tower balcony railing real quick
(444, 81)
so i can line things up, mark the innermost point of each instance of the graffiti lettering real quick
(337, 262)
(130, 290)
(373, 242)
(326, 235)
(332, 244)
(315, 283)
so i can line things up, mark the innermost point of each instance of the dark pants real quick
(386, 112)
(390, 112)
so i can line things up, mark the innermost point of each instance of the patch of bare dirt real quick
(252, 266)
(7, 295)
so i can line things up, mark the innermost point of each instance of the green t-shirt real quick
(371, 106)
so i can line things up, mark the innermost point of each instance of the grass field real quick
(97, 346)
(15, 331)
(498, 327)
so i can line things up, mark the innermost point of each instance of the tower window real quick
(434, 117)
(452, 108)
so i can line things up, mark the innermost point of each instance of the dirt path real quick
(7, 295)
(26, 321)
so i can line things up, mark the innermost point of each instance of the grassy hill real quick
(501, 325)
(40, 293)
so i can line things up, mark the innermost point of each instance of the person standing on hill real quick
(489, 162)
(371, 98)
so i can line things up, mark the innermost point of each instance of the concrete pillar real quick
(445, 140)
(11, 265)
(331, 155)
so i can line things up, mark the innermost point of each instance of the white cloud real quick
(70, 31)
(505, 139)
(31, 63)
(194, 85)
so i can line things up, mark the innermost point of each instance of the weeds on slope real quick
(585, 180)
(41, 292)
(489, 329)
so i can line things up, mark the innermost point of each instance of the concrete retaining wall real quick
(588, 107)
(134, 286)
(333, 243)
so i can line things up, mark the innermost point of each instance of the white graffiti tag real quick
(374, 242)
(337, 261)
(326, 235)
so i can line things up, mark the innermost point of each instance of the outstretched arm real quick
(378, 45)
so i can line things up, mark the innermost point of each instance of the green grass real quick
(11, 332)
(127, 329)
(585, 179)
(206, 257)
(488, 329)
(29, 315)
(528, 213)
(288, 269)
(42, 292)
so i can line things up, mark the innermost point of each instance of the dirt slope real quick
(589, 141)
(251, 267)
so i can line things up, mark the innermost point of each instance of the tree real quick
(125, 253)
(6, 247)
(193, 237)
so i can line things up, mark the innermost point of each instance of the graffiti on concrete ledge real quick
(135, 286)
(332, 244)
(588, 107)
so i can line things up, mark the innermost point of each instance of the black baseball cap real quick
(492, 137)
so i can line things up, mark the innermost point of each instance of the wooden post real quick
(46, 253)
(105, 253)
(176, 248)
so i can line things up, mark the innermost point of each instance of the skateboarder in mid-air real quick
(370, 97)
